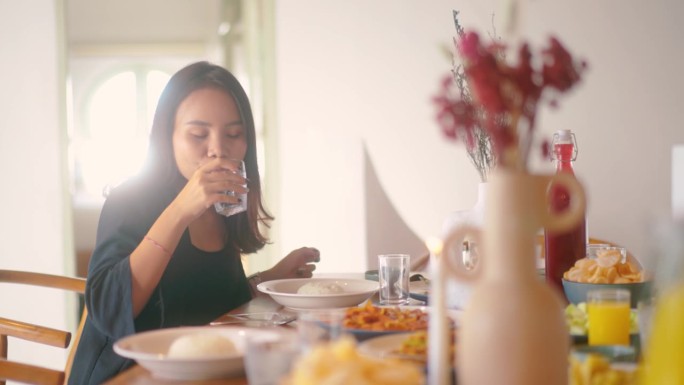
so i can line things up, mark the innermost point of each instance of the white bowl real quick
(284, 291)
(150, 350)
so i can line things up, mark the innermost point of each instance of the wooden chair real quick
(32, 374)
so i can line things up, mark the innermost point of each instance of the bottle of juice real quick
(563, 249)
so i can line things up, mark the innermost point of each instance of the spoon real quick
(419, 277)
(255, 319)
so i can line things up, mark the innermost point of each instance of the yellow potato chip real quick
(608, 259)
(633, 268)
(624, 268)
(598, 279)
(573, 275)
(592, 267)
(635, 277)
(585, 263)
(598, 273)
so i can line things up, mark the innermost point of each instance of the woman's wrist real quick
(254, 280)
(267, 275)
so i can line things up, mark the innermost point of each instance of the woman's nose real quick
(217, 149)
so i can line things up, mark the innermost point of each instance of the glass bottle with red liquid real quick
(563, 249)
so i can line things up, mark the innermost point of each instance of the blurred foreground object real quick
(664, 355)
(340, 363)
(596, 370)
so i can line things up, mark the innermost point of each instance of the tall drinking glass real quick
(393, 275)
(229, 209)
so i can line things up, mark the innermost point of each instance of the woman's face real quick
(208, 125)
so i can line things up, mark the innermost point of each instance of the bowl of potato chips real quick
(606, 268)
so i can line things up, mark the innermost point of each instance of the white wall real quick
(35, 228)
(354, 71)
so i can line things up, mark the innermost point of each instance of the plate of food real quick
(193, 352)
(369, 321)
(319, 293)
(412, 346)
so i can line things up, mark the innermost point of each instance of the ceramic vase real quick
(513, 330)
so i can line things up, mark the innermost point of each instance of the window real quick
(110, 136)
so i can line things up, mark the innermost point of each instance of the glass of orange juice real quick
(608, 312)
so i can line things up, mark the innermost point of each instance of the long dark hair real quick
(161, 164)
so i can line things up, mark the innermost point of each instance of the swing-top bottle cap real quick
(564, 135)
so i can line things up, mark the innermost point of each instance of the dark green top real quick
(196, 287)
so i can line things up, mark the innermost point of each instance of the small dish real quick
(150, 350)
(284, 291)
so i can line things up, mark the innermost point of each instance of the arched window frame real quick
(92, 73)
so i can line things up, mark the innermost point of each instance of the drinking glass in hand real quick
(393, 275)
(229, 209)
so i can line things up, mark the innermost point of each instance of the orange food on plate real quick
(369, 317)
(607, 267)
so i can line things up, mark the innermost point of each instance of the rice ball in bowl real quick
(153, 350)
(319, 293)
(320, 288)
(201, 345)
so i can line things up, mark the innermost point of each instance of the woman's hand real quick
(207, 186)
(298, 264)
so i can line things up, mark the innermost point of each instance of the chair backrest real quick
(28, 373)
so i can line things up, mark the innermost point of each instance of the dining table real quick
(138, 375)
(262, 303)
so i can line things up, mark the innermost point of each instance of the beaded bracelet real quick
(157, 244)
(254, 280)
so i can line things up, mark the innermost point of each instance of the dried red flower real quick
(506, 97)
(559, 71)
